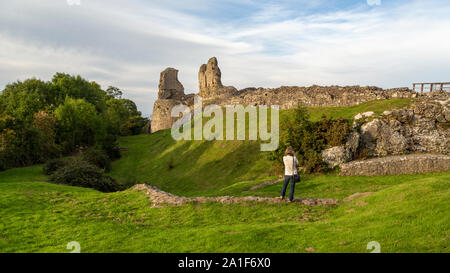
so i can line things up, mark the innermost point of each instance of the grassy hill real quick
(406, 213)
(192, 168)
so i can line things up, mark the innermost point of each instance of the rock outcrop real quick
(338, 155)
(422, 128)
(210, 81)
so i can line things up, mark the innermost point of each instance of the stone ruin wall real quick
(171, 93)
(394, 165)
(421, 128)
(314, 96)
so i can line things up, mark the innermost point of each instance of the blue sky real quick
(258, 43)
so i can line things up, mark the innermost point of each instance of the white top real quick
(288, 165)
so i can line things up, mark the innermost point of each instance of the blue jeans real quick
(288, 178)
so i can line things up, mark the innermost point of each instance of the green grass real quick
(193, 168)
(407, 213)
(189, 167)
(377, 106)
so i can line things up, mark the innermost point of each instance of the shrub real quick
(309, 139)
(53, 165)
(82, 174)
(108, 184)
(111, 147)
(334, 131)
(3, 163)
(98, 158)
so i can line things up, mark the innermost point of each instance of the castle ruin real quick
(211, 89)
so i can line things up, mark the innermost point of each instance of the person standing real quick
(290, 173)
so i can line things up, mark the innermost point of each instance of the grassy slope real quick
(203, 167)
(408, 213)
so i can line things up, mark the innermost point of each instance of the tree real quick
(114, 92)
(79, 88)
(23, 99)
(40, 120)
(46, 126)
(79, 123)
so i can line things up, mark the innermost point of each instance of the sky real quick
(127, 43)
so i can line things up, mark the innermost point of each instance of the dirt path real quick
(158, 198)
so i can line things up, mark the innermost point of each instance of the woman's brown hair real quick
(289, 151)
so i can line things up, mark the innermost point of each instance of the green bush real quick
(309, 139)
(53, 165)
(98, 158)
(3, 163)
(334, 131)
(43, 120)
(111, 147)
(82, 174)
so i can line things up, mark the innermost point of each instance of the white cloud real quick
(127, 45)
(73, 2)
(373, 2)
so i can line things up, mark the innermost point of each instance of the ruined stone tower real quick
(171, 93)
(210, 83)
(169, 86)
(211, 89)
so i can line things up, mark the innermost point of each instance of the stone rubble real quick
(160, 198)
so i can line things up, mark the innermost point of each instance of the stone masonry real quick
(210, 81)
(393, 165)
(214, 92)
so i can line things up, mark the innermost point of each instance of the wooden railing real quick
(428, 87)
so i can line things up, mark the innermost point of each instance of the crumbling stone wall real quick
(314, 96)
(171, 93)
(169, 86)
(393, 165)
(213, 92)
(210, 81)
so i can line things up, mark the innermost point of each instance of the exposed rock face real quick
(385, 137)
(364, 115)
(425, 128)
(169, 86)
(409, 164)
(335, 156)
(210, 82)
(338, 155)
(422, 128)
